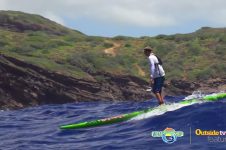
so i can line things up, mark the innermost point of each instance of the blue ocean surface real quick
(37, 128)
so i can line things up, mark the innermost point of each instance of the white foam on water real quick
(162, 109)
(196, 95)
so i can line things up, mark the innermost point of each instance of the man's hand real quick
(151, 81)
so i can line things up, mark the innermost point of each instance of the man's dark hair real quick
(148, 48)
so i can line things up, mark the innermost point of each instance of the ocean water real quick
(37, 128)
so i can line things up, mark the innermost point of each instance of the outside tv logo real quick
(169, 135)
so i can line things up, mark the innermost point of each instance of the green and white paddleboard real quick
(125, 117)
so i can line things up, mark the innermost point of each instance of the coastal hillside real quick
(35, 50)
(195, 56)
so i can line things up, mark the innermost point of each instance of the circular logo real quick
(169, 136)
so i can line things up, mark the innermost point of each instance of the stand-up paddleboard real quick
(125, 117)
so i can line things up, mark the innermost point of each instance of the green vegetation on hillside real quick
(32, 38)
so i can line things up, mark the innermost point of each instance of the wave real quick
(37, 127)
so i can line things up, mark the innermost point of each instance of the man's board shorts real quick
(158, 84)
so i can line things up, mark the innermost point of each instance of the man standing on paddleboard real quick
(157, 73)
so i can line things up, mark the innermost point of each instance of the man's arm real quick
(152, 67)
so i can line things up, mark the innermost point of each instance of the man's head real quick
(147, 51)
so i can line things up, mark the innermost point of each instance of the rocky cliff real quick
(23, 84)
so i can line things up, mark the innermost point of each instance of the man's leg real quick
(159, 97)
(162, 84)
(157, 89)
